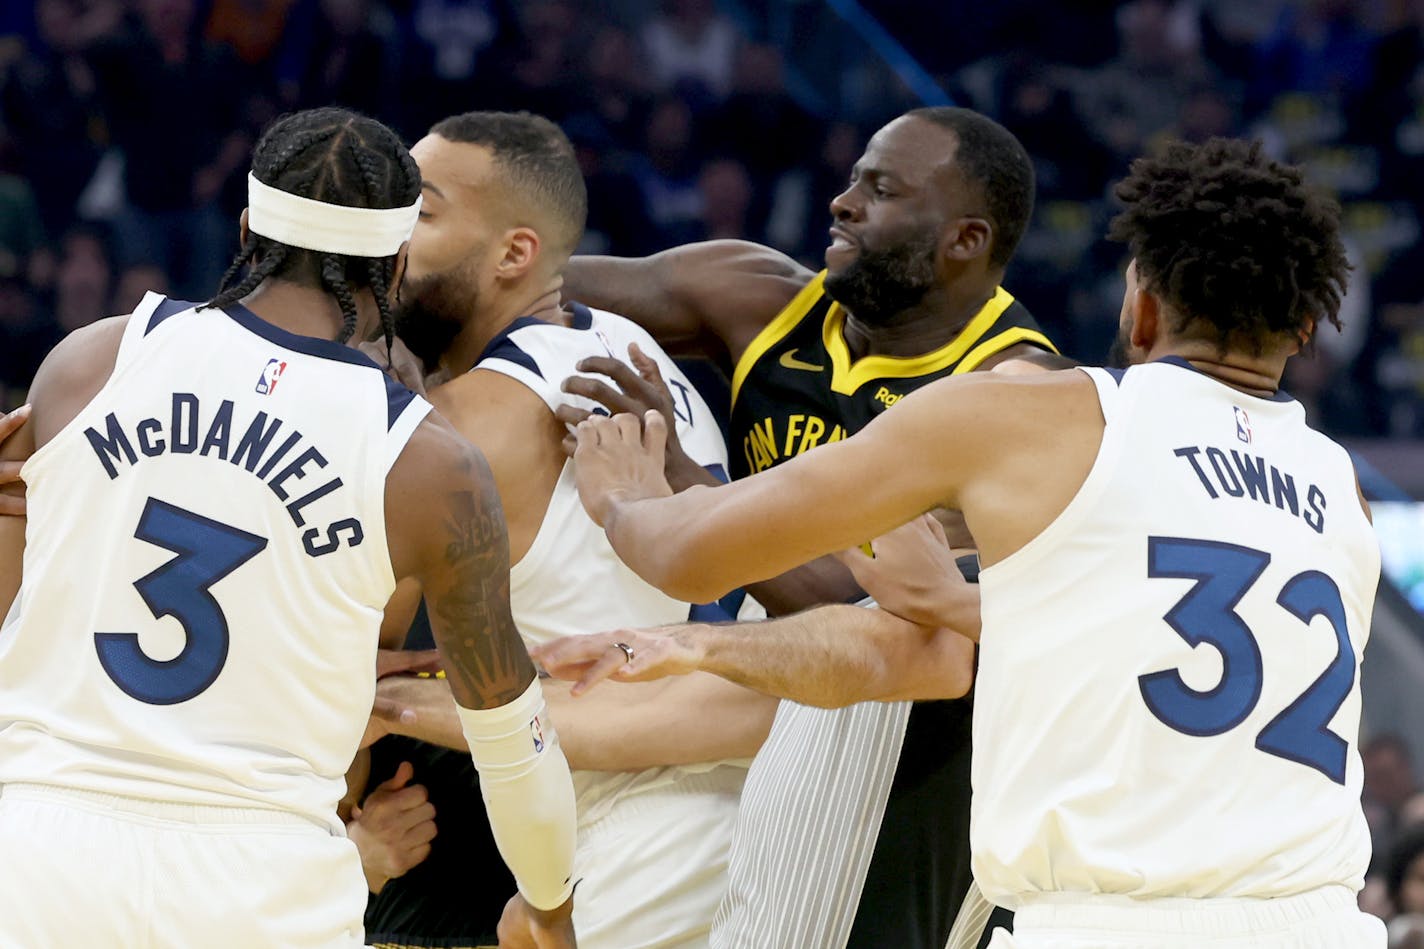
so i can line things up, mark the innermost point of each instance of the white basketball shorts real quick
(85, 869)
(1327, 918)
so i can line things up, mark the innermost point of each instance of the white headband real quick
(330, 228)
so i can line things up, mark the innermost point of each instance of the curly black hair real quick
(339, 157)
(1235, 243)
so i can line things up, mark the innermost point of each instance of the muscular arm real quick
(933, 450)
(627, 727)
(707, 299)
(829, 657)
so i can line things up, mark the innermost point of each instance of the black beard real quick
(881, 284)
(430, 314)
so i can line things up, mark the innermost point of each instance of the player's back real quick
(205, 570)
(1168, 696)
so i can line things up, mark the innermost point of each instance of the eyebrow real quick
(430, 186)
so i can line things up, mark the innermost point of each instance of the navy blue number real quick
(1207, 614)
(1301, 732)
(206, 552)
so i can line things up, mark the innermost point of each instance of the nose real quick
(847, 205)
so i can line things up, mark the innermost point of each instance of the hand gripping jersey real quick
(1168, 695)
(205, 570)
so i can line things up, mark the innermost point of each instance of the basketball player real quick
(504, 207)
(190, 662)
(1177, 585)
(911, 293)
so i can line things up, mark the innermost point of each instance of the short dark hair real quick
(339, 157)
(538, 158)
(1233, 240)
(988, 153)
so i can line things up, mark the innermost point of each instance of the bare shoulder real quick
(484, 396)
(1025, 357)
(72, 374)
(438, 480)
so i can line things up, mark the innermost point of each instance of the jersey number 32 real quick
(206, 552)
(1207, 614)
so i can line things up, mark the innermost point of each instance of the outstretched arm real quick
(449, 534)
(829, 657)
(707, 299)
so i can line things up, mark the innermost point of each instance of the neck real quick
(305, 311)
(472, 340)
(1255, 375)
(933, 322)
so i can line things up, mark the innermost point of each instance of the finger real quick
(602, 393)
(407, 799)
(655, 433)
(630, 426)
(648, 368)
(12, 506)
(423, 813)
(574, 650)
(10, 471)
(571, 415)
(399, 661)
(421, 833)
(404, 772)
(11, 421)
(608, 663)
(937, 529)
(620, 372)
(390, 711)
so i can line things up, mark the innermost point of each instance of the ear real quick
(968, 238)
(521, 253)
(1146, 312)
(242, 230)
(398, 274)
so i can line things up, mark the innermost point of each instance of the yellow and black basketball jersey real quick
(797, 386)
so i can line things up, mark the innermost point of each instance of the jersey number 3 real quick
(1207, 614)
(207, 551)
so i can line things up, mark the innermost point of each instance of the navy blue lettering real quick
(254, 441)
(1224, 475)
(295, 508)
(219, 431)
(333, 537)
(294, 470)
(1190, 453)
(281, 452)
(1316, 499)
(110, 443)
(1283, 489)
(183, 433)
(151, 448)
(1252, 475)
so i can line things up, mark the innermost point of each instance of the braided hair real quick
(339, 157)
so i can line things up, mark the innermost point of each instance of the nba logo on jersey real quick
(268, 380)
(1243, 424)
(536, 731)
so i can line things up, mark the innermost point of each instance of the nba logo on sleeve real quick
(268, 380)
(1243, 424)
(536, 731)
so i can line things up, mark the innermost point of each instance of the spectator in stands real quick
(667, 172)
(616, 92)
(1389, 783)
(1404, 872)
(83, 278)
(1320, 47)
(726, 201)
(348, 57)
(178, 117)
(691, 47)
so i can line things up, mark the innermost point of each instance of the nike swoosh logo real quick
(789, 360)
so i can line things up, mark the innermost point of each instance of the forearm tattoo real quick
(485, 660)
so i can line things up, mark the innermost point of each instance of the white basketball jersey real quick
(1168, 701)
(571, 581)
(205, 570)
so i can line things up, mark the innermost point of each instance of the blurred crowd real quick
(125, 127)
(1394, 807)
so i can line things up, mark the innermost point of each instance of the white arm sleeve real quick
(528, 792)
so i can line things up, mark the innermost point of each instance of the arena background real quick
(125, 127)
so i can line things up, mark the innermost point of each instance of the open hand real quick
(588, 660)
(912, 573)
(619, 459)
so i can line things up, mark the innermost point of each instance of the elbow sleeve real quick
(528, 793)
